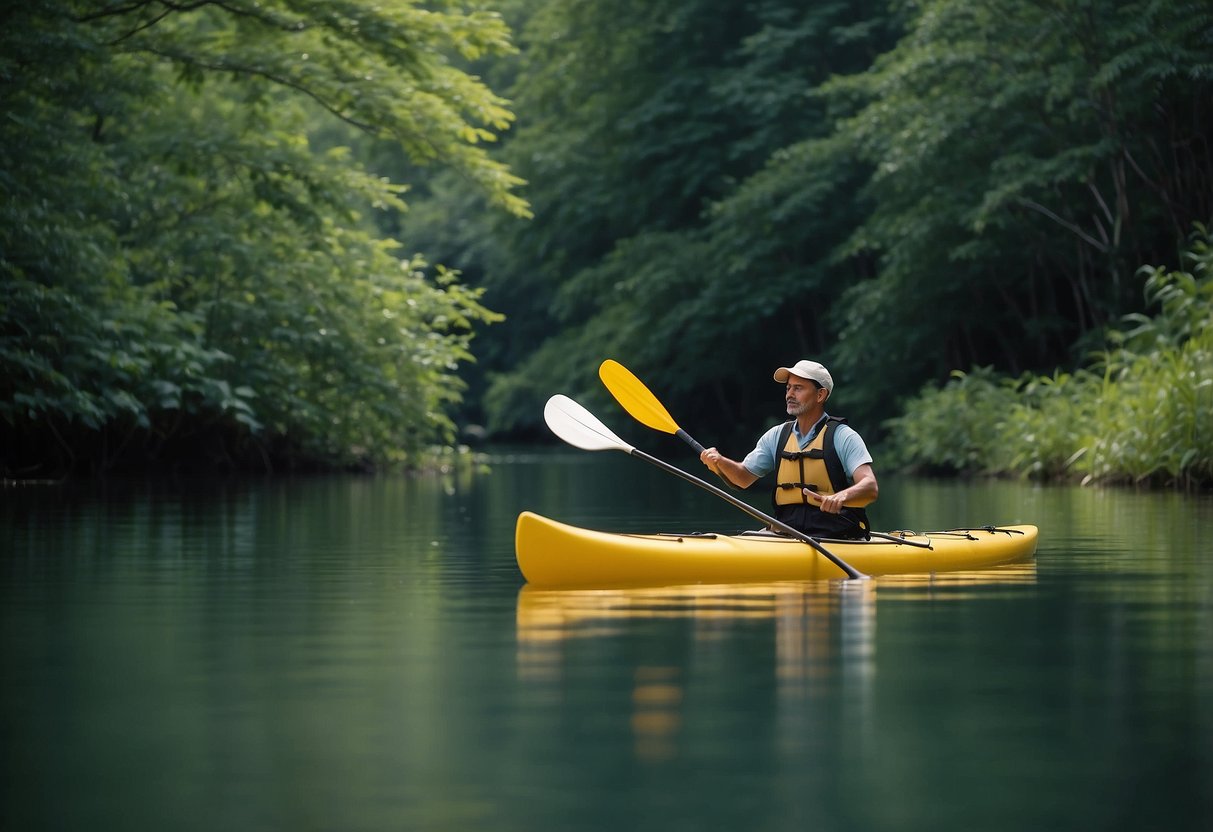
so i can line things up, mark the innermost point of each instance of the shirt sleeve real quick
(852, 451)
(761, 460)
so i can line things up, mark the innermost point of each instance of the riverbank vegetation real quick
(265, 234)
(1141, 411)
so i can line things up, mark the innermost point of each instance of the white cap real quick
(807, 369)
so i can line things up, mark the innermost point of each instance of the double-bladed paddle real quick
(581, 429)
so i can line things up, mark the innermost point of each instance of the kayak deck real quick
(554, 554)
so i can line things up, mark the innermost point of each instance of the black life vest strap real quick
(780, 453)
(797, 485)
(812, 453)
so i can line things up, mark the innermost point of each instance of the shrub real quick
(1141, 412)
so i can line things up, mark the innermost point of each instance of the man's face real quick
(802, 394)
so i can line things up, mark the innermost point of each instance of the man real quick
(824, 474)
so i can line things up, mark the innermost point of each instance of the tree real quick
(183, 268)
(663, 143)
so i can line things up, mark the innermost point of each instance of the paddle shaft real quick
(850, 571)
(690, 440)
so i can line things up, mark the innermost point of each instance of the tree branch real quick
(261, 73)
(171, 7)
(1082, 235)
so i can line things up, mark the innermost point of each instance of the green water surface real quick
(360, 653)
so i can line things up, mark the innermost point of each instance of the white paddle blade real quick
(580, 428)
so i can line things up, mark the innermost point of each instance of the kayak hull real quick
(554, 554)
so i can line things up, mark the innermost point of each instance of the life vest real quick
(817, 468)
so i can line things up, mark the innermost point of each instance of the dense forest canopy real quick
(206, 240)
(898, 189)
(187, 274)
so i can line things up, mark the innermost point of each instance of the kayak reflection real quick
(956, 586)
(818, 628)
(824, 641)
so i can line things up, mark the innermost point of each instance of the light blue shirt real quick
(851, 449)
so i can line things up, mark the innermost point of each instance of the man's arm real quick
(732, 471)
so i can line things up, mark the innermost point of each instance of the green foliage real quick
(685, 194)
(1020, 171)
(898, 190)
(184, 268)
(1046, 419)
(1157, 424)
(972, 406)
(1141, 412)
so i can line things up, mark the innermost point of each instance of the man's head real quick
(805, 382)
(806, 369)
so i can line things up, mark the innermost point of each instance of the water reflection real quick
(956, 586)
(657, 694)
(823, 636)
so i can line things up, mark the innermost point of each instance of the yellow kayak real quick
(552, 554)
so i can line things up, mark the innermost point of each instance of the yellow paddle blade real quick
(635, 398)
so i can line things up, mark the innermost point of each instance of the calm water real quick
(361, 654)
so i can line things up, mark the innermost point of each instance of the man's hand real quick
(861, 493)
(830, 504)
